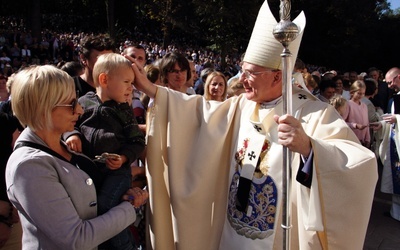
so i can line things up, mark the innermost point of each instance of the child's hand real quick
(74, 143)
(114, 163)
(360, 126)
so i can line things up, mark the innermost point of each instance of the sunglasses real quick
(72, 105)
(176, 71)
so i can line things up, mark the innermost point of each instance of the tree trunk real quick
(111, 17)
(167, 26)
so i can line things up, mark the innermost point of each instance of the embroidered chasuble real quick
(196, 157)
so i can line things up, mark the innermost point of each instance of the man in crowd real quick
(91, 48)
(389, 150)
(327, 89)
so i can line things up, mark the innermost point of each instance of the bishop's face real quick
(261, 84)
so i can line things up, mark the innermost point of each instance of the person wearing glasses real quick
(108, 128)
(215, 168)
(381, 99)
(175, 71)
(46, 182)
(389, 149)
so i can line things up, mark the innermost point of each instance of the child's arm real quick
(74, 143)
(131, 139)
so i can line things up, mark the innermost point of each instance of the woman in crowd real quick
(215, 87)
(175, 71)
(374, 113)
(3, 89)
(48, 183)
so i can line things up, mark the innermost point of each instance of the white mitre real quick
(263, 49)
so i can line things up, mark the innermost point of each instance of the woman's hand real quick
(136, 196)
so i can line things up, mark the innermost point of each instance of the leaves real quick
(340, 34)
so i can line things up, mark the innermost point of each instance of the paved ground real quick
(383, 232)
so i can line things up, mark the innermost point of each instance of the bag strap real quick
(40, 147)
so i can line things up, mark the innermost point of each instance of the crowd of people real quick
(124, 135)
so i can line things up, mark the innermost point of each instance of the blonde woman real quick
(215, 87)
(46, 181)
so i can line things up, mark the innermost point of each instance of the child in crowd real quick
(357, 117)
(108, 128)
(235, 88)
(340, 104)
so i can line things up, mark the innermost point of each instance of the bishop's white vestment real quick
(195, 154)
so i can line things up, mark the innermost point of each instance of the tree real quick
(340, 34)
(110, 17)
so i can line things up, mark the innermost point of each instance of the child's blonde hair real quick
(235, 88)
(338, 101)
(356, 86)
(108, 63)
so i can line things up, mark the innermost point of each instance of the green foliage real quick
(341, 34)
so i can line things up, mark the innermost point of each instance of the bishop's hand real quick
(141, 81)
(292, 135)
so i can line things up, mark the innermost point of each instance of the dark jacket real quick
(109, 127)
(8, 124)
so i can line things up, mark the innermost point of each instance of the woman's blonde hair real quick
(108, 63)
(35, 92)
(210, 76)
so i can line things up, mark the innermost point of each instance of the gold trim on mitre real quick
(263, 49)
